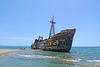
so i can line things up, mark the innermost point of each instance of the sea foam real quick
(73, 60)
(93, 60)
(36, 56)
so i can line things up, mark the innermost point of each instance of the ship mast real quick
(52, 27)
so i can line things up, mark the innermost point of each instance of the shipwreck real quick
(57, 42)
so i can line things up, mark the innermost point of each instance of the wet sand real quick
(4, 52)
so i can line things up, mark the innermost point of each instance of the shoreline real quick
(4, 52)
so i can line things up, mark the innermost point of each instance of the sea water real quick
(15, 47)
(77, 57)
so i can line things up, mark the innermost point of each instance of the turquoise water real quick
(77, 57)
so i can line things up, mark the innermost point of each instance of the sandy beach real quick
(4, 52)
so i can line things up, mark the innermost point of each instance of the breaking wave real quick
(73, 60)
(93, 60)
(79, 60)
(37, 56)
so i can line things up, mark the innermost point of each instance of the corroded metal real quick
(52, 27)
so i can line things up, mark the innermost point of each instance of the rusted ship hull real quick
(60, 42)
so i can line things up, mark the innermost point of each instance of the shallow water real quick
(77, 57)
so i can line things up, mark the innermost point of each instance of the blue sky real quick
(21, 21)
